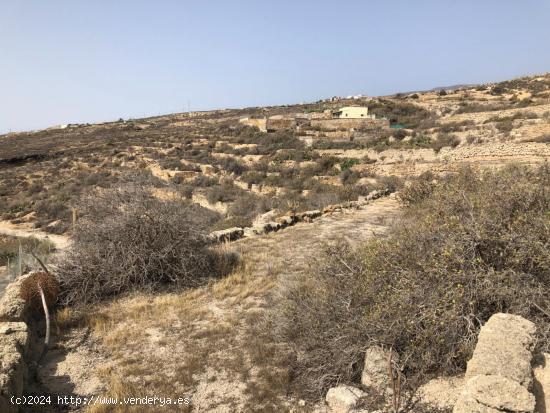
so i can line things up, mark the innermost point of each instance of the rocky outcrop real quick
(499, 375)
(13, 347)
(12, 306)
(343, 399)
(15, 316)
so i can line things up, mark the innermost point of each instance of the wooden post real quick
(20, 260)
(74, 217)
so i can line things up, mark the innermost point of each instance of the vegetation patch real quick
(128, 240)
(467, 247)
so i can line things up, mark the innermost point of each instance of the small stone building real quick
(352, 112)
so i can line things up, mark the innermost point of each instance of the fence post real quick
(74, 217)
(20, 260)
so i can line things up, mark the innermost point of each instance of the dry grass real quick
(191, 343)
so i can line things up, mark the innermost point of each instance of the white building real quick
(352, 112)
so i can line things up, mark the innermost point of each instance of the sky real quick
(76, 61)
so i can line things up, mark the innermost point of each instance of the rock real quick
(498, 376)
(500, 393)
(541, 387)
(343, 398)
(13, 346)
(229, 234)
(258, 229)
(377, 194)
(248, 232)
(12, 306)
(285, 221)
(313, 214)
(272, 226)
(504, 348)
(375, 370)
(441, 393)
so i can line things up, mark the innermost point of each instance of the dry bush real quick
(541, 139)
(30, 292)
(418, 189)
(445, 139)
(477, 245)
(127, 240)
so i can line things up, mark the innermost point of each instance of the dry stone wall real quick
(235, 233)
(14, 345)
(503, 376)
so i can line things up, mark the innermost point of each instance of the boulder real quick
(541, 387)
(498, 392)
(504, 348)
(375, 370)
(498, 376)
(13, 346)
(343, 398)
(12, 306)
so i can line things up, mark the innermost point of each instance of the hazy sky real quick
(67, 61)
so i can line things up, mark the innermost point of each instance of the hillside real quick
(212, 158)
(358, 207)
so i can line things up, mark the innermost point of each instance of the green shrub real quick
(476, 245)
(348, 163)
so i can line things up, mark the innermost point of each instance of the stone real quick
(14, 340)
(470, 405)
(499, 376)
(12, 306)
(343, 398)
(441, 393)
(285, 221)
(541, 386)
(504, 348)
(500, 393)
(229, 234)
(375, 369)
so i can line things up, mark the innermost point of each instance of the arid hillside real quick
(359, 258)
(240, 173)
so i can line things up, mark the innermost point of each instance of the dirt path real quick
(7, 228)
(25, 231)
(293, 247)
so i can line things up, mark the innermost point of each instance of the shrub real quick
(226, 192)
(445, 139)
(477, 245)
(417, 190)
(127, 239)
(232, 165)
(349, 177)
(542, 139)
(505, 126)
(348, 163)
